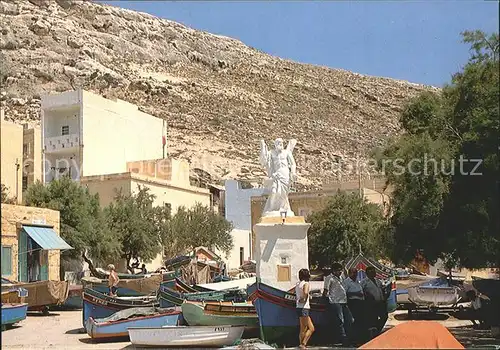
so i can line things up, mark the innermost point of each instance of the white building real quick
(238, 204)
(84, 134)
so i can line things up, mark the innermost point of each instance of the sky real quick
(417, 41)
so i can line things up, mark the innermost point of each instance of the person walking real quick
(376, 300)
(112, 280)
(355, 302)
(337, 298)
(302, 306)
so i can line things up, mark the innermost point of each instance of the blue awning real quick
(46, 238)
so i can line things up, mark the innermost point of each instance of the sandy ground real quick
(61, 330)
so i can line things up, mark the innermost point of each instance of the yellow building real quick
(305, 203)
(11, 154)
(32, 157)
(167, 179)
(30, 243)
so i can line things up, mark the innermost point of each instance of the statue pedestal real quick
(281, 250)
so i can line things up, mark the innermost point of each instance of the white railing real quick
(58, 143)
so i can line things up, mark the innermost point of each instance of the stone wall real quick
(13, 216)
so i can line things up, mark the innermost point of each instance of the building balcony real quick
(61, 143)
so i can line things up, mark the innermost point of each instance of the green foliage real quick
(346, 225)
(5, 195)
(137, 225)
(83, 225)
(447, 212)
(197, 226)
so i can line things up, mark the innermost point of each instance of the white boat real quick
(185, 336)
(434, 296)
(240, 284)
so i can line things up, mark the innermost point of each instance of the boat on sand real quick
(183, 336)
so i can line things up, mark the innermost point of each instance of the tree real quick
(5, 195)
(197, 226)
(137, 225)
(448, 212)
(83, 225)
(344, 228)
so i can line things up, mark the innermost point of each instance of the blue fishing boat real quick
(13, 313)
(186, 288)
(98, 305)
(115, 326)
(278, 319)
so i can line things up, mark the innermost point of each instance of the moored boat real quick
(115, 326)
(126, 287)
(42, 294)
(278, 319)
(13, 313)
(98, 305)
(217, 314)
(169, 297)
(182, 336)
(434, 293)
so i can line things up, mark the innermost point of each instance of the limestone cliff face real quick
(220, 97)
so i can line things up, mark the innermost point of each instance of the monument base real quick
(281, 250)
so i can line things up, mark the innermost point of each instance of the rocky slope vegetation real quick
(220, 97)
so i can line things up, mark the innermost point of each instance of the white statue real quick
(281, 172)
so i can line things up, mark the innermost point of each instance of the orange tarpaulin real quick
(415, 335)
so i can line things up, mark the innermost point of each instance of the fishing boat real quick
(182, 286)
(278, 319)
(42, 294)
(74, 300)
(115, 326)
(239, 284)
(169, 297)
(98, 305)
(14, 295)
(434, 293)
(183, 336)
(103, 274)
(126, 287)
(13, 313)
(218, 314)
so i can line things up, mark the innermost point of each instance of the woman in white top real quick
(302, 294)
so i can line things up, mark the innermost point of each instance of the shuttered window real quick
(284, 273)
(6, 260)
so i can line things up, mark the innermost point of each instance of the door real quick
(22, 255)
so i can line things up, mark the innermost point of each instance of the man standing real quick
(355, 302)
(375, 300)
(337, 298)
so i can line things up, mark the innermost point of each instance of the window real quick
(284, 273)
(242, 255)
(6, 260)
(65, 130)
(25, 183)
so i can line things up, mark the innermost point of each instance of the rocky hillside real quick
(220, 97)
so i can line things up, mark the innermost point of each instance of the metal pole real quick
(17, 181)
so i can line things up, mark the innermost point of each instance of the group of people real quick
(358, 309)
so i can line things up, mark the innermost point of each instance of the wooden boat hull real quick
(14, 295)
(279, 324)
(434, 293)
(97, 305)
(42, 294)
(13, 313)
(215, 314)
(175, 336)
(135, 317)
